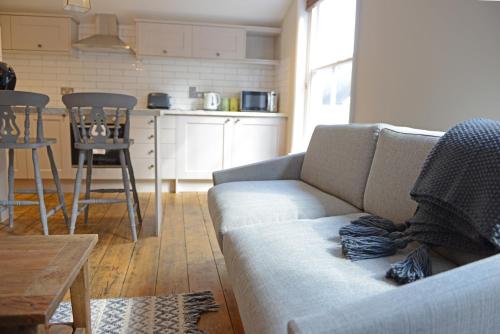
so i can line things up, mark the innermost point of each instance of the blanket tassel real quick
(371, 247)
(416, 266)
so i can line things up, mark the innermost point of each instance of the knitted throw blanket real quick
(458, 196)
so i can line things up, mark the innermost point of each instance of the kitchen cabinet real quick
(147, 136)
(6, 35)
(256, 139)
(219, 42)
(207, 144)
(42, 33)
(57, 127)
(164, 39)
(202, 146)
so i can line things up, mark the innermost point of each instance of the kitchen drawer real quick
(147, 151)
(142, 136)
(142, 122)
(167, 122)
(144, 169)
(142, 151)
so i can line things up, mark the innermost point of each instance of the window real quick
(329, 69)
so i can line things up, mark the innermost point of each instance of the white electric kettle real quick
(211, 101)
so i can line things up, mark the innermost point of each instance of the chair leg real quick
(11, 187)
(134, 187)
(126, 187)
(57, 181)
(88, 183)
(76, 193)
(39, 190)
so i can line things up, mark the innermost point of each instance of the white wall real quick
(292, 72)
(47, 73)
(427, 63)
(286, 73)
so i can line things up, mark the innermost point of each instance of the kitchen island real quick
(175, 150)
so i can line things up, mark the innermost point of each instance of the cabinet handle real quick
(39, 46)
(151, 166)
(151, 136)
(165, 52)
(237, 121)
(227, 121)
(151, 152)
(151, 121)
(218, 54)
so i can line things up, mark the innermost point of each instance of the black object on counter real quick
(7, 77)
(158, 101)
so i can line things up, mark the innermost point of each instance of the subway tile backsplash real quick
(119, 73)
(124, 74)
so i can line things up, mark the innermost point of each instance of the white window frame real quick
(311, 71)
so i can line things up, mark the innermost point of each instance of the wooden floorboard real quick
(185, 258)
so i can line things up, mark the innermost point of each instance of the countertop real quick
(176, 112)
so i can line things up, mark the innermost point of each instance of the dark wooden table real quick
(35, 274)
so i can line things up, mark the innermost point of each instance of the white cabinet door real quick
(163, 39)
(5, 36)
(219, 42)
(256, 139)
(201, 146)
(40, 33)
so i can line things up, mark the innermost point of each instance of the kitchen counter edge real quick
(163, 112)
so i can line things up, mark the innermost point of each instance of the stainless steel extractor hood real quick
(106, 38)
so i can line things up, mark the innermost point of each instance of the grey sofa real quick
(277, 223)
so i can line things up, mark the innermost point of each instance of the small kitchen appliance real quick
(211, 101)
(158, 101)
(259, 101)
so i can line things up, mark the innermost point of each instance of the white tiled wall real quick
(47, 73)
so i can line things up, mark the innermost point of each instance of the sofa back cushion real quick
(399, 157)
(338, 160)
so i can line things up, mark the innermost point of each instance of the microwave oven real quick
(258, 101)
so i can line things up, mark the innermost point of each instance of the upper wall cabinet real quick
(247, 44)
(219, 42)
(6, 36)
(39, 33)
(164, 39)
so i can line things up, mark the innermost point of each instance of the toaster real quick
(158, 101)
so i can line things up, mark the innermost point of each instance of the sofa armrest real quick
(282, 168)
(459, 301)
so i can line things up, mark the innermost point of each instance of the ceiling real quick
(245, 12)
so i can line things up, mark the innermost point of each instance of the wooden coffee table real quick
(35, 274)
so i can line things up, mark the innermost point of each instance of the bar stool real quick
(101, 121)
(12, 138)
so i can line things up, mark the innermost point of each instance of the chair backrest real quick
(97, 117)
(12, 101)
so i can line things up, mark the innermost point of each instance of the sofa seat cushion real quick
(283, 271)
(237, 204)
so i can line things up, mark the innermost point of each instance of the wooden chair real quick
(18, 137)
(97, 120)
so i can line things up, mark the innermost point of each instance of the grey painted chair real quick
(18, 137)
(97, 120)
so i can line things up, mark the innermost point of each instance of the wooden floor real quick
(185, 258)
